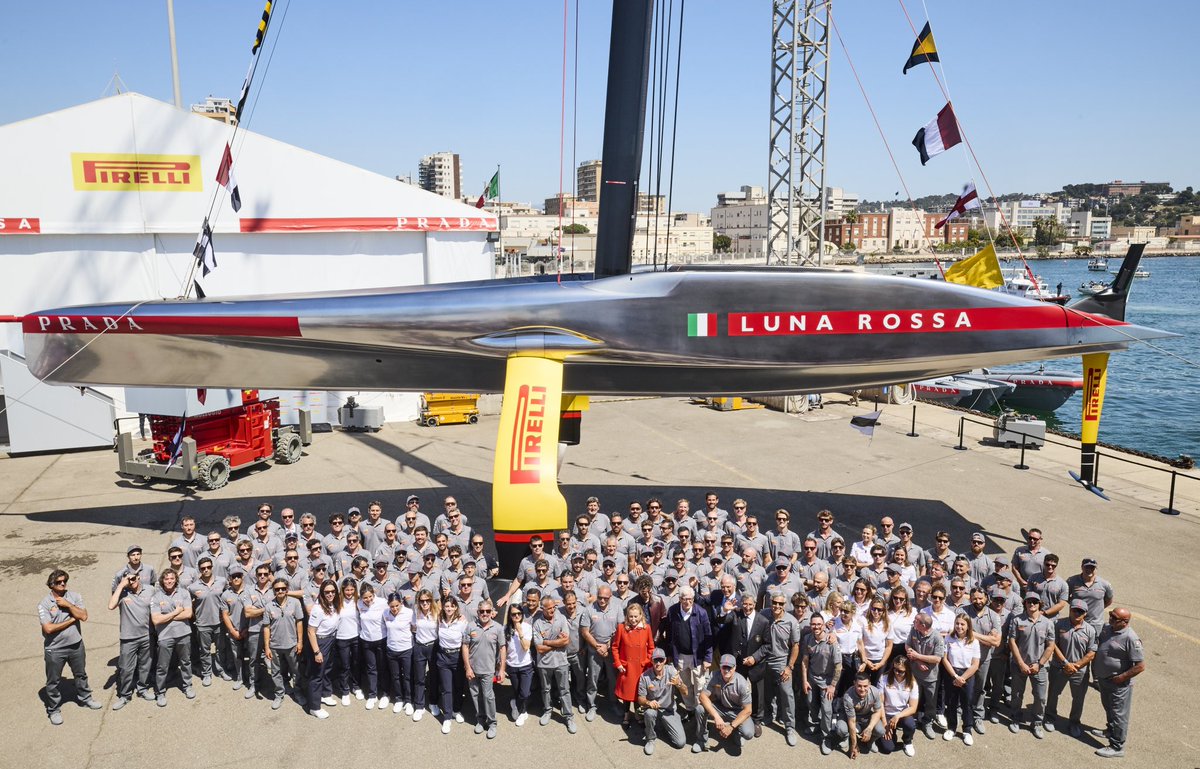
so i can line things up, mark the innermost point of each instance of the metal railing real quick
(1175, 474)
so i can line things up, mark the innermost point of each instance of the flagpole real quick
(499, 222)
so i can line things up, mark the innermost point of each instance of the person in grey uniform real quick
(727, 702)
(1119, 658)
(133, 562)
(233, 619)
(576, 660)
(656, 695)
(282, 634)
(1074, 648)
(925, 649)
(483, 660)
(171, 613)
(192, 545)
(254, 606)
(60, 614)
(133, 661)
(1093, 590)
(862, 716)
(779, 654)
(821, 667)
(1031, 645)
(987, 626)
(206, 595)
(596, 628)
(551, 636)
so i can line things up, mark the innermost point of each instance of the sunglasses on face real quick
(175, 557)
(206, 568)
(60, 582)
(328, 592)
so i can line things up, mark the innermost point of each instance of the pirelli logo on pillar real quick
(116, 172)
(530, 419)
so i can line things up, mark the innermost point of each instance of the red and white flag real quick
(940, 135)
(226, 179)
(968, 200)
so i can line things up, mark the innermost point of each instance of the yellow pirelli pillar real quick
(1095, 376)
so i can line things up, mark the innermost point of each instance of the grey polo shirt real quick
(1116, 652)
(1094, 595)
(983, 622)
(784, 545)
(1028, 563)
(235, 607)
(206, 601)
(600, 623)
(165, 603)
(728, 698)
(485, 647)
(749, 580)
(134, 611)
(1074, 642)
(49, 611)
(860, 708)
(1031, 636)
(782, 635)
(659, 689)
(259, 599)
(1051, 591)
(931, 644)
(149, 576)
(191, 550)
(823, 658)
(281, 620)
(573, 624)
(544, 630)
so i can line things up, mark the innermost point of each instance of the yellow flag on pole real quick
(982, 270)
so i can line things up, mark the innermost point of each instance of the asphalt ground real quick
(73, 511)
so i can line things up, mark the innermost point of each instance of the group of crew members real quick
(690, 626)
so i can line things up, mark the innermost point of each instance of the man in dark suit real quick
(748, 632)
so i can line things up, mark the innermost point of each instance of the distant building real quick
(1021, 214)
(587, 180)
(441, 174)
(1188, 227)
(651, 205)
(571, 204)
(217, 109)
(1084, 224)
(1134, 234)
(1118, 188)
(868, 233)
(742, 217)
(838, 202)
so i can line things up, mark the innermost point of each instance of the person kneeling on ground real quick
(862, 709)
(727, 702)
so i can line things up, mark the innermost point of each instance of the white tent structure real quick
(103, 202)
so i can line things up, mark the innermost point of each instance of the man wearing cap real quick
(980, 564)
(780, 582)
(188, 541)
(915, 553)
(862, 716)
(1027, 559)
(820, 667)
(925, 648)
(710, 580)
(656, 695)
(895, 581)
(133, 562)
(688, 641)
(206, 595)
(597, 626)
(987, 627)
(778, 654)
(133, 661)
(551, 637)
(1030, 646)
(282, 634)
(1093, 590)
(1051, 588)
(446, 518)
(382, 580)
(171, 613)
(727, 702)
(60, 614)
(409, 523)
(1119, 658)
(483, 663)
(1074, 648)
(233, 619)
(998, 676)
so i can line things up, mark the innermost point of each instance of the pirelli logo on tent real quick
(107, 172)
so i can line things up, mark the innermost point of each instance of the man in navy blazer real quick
(688, 641)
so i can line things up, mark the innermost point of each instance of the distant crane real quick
(799, 104)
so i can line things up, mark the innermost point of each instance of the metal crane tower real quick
(799, 103)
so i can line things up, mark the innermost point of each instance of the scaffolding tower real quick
(799, 104)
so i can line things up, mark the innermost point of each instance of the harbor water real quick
(1153, 390)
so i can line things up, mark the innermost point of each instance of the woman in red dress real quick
(632, 648)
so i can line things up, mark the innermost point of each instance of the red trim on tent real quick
(372, 224)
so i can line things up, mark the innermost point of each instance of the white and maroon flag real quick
(226, 179)
(968, 200)
(702, 324)
(940, 135)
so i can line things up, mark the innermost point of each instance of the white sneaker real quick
(446, 726)
(910, 750)
(346, 700)
(948, 735)
(398, 707)
(940, 721)
(418, 714)
(458, 718)
(968, 740)
(321, 713)
(521, 719)
(384, 702)
(371, 703)
(408, 708)
(330, 701)
(358, 694)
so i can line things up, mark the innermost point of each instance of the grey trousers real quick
(1079, 686)
(74, 657)
(483, 697)
(1118, 702)
(208, 636)
(167, 649)
(1040, 682)
(842, 730)
(577, 667)
(670, 723)
(559, 677)
(595, 665)
(781, 694)
(820, 708)
(927, 708)
(133, 666)
(244, 657)
(745, 731)
(979, 696)
(284, 658)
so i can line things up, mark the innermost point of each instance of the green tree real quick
(852, 216)
(1047, 231)
(721, 243)
(575, 229)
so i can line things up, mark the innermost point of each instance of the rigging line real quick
(656, 42)
(562, 133)
(962, 132)
(674, 132)
(664, 76)
(574, 137)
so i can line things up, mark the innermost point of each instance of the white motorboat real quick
(1093, 287)
(1097, 264)
(1140, 272)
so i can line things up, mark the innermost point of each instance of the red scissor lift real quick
(216, 443)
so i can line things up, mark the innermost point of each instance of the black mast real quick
(624, 124)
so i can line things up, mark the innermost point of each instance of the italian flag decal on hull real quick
(702, 324)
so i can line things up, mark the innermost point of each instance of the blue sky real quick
(1048, 93)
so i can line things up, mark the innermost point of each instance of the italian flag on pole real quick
(702, 324)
